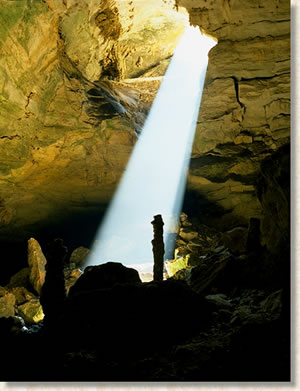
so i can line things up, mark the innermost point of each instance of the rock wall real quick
(71, 102)
(67, 123)
(245, 110)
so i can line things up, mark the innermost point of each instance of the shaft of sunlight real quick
(155, 178)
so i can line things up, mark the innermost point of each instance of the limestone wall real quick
(245, 111)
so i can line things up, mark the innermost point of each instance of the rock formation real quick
(158, 248)
(245, 109)
(74, 95)
(68, 124)
(77, 80)
(37, 263)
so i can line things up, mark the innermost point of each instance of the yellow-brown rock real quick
(245, 110)
(31, 312)
(77, 81)
(7, 304)
(67, 124)
(37, 263)
(231, 19)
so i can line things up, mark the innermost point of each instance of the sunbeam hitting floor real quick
(155, 178)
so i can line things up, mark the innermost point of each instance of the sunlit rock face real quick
(245, 110)
(67, 123)
(75, 91)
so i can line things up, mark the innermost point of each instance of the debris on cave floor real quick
(218, 318)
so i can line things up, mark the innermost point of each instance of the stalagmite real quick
(158, 248)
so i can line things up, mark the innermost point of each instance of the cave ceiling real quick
(77, 79)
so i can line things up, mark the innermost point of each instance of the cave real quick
(78, 81)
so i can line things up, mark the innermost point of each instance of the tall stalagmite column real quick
(158, 248)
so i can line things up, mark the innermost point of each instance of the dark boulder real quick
(224, 272)
(130, 320)
(104, 276)
(235, 240)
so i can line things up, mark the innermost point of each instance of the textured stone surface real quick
(275, 179)
(176, 264)
(245, 110)
(235, 240)
(155, 32)
(71, 102)
(7, 305)
(37, 263)
(104, 276)
(229, 20)
(79, 256)
(31, 311)
(22, 295)
(21, 278)
(71, 276)
(66, 122)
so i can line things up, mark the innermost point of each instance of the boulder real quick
(11, 325)
(187, 234)
(258, 306)
(79, 256)
(272, 305)
(219, 300)
(177, 264)
(18, 325)
(223, 272)
(2, 291)
(128, 319)
(235, 240)
(104, 276)
(37, 262)
(213, 274)
(195, 240)
(31, 311)
(181, 251)
(21, 278)
(146, 277)
(22, 295)
(184, 221)
(71, 276)
(7, 305)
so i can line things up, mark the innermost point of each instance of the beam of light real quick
(155, 178)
